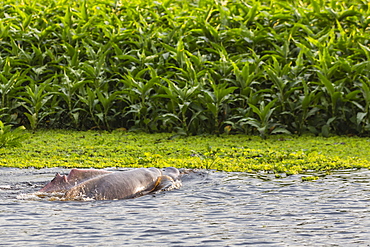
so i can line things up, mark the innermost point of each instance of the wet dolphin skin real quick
(107, 185)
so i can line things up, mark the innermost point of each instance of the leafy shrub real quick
(187, 66)
(11, 138)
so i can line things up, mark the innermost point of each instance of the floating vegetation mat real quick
(282, 155)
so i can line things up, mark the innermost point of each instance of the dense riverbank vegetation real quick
(205, 66)
(282, 155)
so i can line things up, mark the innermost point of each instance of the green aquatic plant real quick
(281, 155)
(310, 178)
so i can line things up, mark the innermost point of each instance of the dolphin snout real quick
(171, 172)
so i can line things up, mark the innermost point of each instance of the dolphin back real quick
(121, 185)
(97, 184)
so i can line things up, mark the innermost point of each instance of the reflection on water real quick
(211, 209)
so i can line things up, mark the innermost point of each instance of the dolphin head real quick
(171, 172)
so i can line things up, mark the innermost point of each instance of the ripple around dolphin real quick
(210, 209)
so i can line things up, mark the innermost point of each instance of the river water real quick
(211, 209)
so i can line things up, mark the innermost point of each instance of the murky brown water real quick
(211, 209)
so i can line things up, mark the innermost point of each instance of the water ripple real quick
(211, 209)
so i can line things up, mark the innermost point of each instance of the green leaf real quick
(32, 118)
(328, 85)
(280, 130)
(360, 117)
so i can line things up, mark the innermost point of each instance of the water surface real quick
(211, 209)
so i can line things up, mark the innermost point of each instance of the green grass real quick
(191, 67)
(282, 155)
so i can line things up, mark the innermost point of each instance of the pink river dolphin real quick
(107, 185)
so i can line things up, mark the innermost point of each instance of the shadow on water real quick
(211, 209)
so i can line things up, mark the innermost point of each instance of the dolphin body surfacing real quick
(107, 185)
